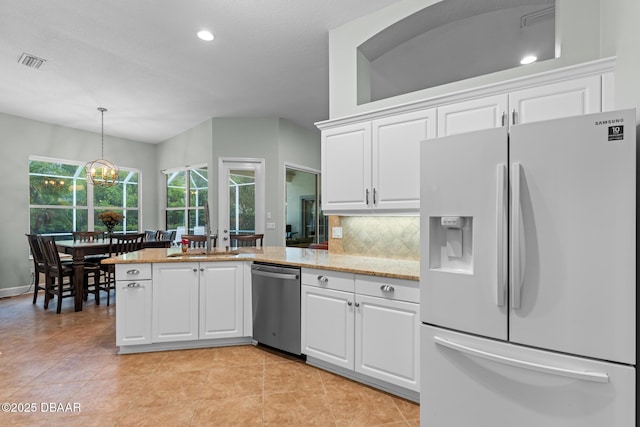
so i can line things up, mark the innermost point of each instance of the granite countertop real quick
(310, 258)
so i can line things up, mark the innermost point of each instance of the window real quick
(61, 200)
(187, 191)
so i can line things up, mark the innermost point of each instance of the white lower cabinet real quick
(327, 325)
(369, 325)
(194, 301)
(175, 301)
(221, 300)
(133, 304)
(387, 340)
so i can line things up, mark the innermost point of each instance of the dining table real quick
(80, 249)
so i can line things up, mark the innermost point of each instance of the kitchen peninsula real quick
(359, 315)
(302, 257)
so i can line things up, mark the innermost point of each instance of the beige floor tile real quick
(72, 358)
(243, 411)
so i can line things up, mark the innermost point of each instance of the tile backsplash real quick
(377, 236)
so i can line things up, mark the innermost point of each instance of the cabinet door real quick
(327, 325)
(553, 101)
(133, 312)
(396, 159)
(346, 167)
(472, 115)
(221, 298)
(175, 302)
(387, 340)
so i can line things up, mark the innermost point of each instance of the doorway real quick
(305, 222)
(241, 198)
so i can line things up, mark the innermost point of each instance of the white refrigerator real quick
(528, 275)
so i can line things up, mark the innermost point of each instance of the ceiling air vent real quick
(31, 61)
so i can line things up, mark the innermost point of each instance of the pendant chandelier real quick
(102, 172)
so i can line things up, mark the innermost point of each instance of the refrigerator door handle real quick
(516, 267)
(501, 244)
(599, 377)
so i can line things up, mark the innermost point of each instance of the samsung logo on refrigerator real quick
(616, 132)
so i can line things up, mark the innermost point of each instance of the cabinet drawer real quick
(133, 271)
(328, 279)
(390, 288)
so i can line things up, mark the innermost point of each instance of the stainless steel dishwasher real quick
(275, 293)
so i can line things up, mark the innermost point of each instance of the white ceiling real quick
(142, 61)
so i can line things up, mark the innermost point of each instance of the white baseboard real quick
(12, 292)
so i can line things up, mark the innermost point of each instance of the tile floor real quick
(58, 363)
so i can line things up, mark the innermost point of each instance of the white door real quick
(472, 115)
(346, 167)
(387, 340)
(574, 235)
(396, 159)
(470, 381)
(463, 273)
(241, 198)
(327, 325)
(221, 298)
(552, 101)
(175, 302)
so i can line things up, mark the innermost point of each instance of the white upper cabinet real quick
(544, 102)
(470, 116)
(396, 159)
(346, 167)
(556, 100)
(375, 165)
(370, 161)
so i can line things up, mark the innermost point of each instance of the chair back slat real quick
(246, 239)
(87, 236)
(123, 243)
(36, 252)
(166, 235)
(195, 240)
(50, 253)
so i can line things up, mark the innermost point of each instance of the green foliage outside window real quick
(58, 195)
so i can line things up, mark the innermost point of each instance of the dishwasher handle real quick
(284, 276)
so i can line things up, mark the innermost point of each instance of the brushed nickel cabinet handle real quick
(387, 288)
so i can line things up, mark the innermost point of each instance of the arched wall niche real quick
(454, 40)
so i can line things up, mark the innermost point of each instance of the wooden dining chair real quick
(150, 235)
(39, 265)
(59, 276)
(120, 244)
(195, 240)
(90, 236)
(246, 239)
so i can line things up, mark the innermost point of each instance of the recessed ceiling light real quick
(205, 35)
(528, 59)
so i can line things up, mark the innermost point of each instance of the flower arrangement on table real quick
(110, 219)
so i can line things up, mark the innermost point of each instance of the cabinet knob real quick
(387, 288)
(195, 270)
(323, 279)
(357, 304)
(349, 303)
(134, 271)
(201, 268)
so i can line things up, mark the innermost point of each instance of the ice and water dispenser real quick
(450, 243)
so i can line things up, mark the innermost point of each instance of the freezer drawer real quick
(471, 381)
